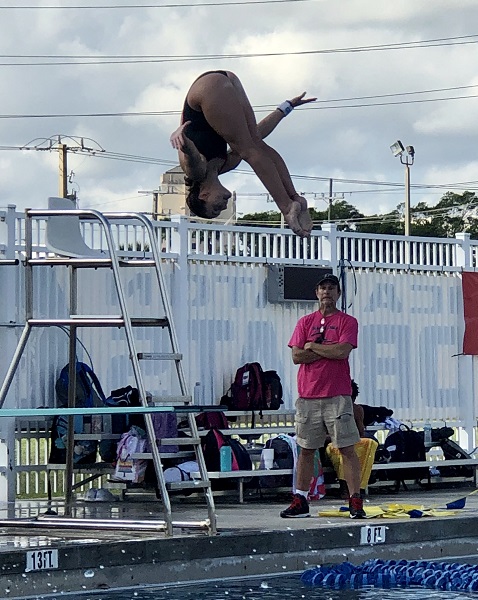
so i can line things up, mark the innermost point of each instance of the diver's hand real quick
(179, 139)
(300, 100)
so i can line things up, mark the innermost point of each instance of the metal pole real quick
(155, 205)
(407, 198)
(331, 187)
(70, 436)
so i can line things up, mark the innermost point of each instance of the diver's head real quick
(207, 199)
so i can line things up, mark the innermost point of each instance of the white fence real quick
(405, 292)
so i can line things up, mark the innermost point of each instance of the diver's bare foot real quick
(298, 217)
(305, 220)
(301, 215)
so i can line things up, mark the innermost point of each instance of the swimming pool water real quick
(287, 587)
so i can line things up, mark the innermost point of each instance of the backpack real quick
(120, 422)
(272, 390)
(88, 388)
(452, 451)
(213, 441)
(89, 393)
(211, 418)
(406, 445)
(120, 398)
(247, 389)
(241, 454)
(254, 389)
(283, 459)
(85, 450)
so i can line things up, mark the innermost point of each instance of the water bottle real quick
(225, 455)
(427, 435)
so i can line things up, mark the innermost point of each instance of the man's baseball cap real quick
(329, 278)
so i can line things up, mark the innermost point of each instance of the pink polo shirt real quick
(326, 377)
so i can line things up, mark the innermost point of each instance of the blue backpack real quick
(89, 393)
(88, 388)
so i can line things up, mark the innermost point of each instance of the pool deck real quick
(252, 540)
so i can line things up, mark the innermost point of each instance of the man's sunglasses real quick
(321, 338)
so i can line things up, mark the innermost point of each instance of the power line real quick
(390, 95)
(130, 6)
(105, 154)
(258, 109)
(153, 59)
(392, 46)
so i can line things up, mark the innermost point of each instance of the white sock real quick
(302, 493)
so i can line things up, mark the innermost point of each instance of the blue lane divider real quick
(392, 573)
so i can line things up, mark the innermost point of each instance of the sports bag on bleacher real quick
(452, 451)
(254, 389)
(246, 390)
(406, 445)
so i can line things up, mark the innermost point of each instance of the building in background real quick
(170, 199)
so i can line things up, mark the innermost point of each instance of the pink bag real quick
(129, 468)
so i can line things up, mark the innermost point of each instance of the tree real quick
(257, 219)
(341, 212)
(387, 224)
(453, 213)
(456, 213)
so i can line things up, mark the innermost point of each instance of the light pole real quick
(407, 156)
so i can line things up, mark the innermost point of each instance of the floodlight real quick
(407, 159)
(397, 148)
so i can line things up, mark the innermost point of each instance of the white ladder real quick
(95, 260)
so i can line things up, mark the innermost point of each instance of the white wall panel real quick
(411, 332)
(231, 323)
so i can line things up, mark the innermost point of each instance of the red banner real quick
(470, 305)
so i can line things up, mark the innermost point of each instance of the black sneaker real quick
(298, 508)
(356, 507)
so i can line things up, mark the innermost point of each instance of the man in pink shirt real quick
(321, 345)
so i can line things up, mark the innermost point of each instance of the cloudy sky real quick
(381, 70)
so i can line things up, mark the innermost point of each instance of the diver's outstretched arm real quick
(265, 127)
(270, 122)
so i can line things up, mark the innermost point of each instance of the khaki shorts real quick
(317, 418)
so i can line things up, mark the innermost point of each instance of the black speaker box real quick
(293, 283)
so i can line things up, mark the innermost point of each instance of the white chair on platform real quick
(63, 233)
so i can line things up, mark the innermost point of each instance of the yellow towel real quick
(390, 511)
(365, 450)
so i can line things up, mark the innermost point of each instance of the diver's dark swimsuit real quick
(209, 143)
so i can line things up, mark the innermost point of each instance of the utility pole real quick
(55, 142)
(62, 170)
(155, 194)
(330, 198)
(331, 191)
(155, 204)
